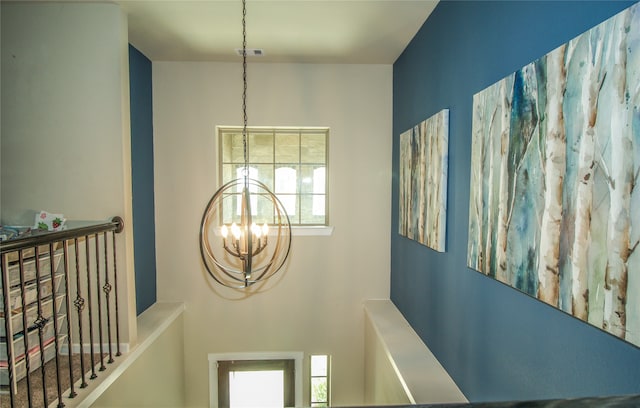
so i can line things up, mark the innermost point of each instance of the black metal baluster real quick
(115, 283)
(56, 337)
(40, 322)
(100, 342)
(7, 323)
(79, 304)
(65, 254)
(107, 290)
(93, 363)
(39, 316)
(25, 325)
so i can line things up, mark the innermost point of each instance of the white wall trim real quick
(75, 347)
(275, 355)
(311, 231)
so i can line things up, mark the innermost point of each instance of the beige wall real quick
(315, 306)
(65, 119)
(155, 379)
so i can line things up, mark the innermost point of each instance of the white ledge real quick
(311, 231)
(422, 376)
(316, 230)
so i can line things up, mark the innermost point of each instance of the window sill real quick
(311, 231)
(298, 231)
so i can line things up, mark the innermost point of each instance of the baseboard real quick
(86, 348)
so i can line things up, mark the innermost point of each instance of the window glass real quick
(287, 188)
(287, 147)
(313, 148)
(232, 149)
(319, 381)
(286, 180)
(292, 163)
(319, 392)
(264, 174)
(260, 147)
(312, 179)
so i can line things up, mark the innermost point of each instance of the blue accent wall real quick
(496, 342)
(144, 241)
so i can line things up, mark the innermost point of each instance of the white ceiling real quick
(303, 31)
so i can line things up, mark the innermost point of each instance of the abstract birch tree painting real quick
(424, 163)
(554, 210)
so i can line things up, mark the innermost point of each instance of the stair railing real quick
(59, 291)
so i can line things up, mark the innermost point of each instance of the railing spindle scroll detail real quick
(67, 297)
(79, 304)
(56, 338)
(40, 322)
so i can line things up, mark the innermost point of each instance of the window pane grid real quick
(290, 162)
(319, 378)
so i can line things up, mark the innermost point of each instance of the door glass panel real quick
(252, 389)
(256, 383)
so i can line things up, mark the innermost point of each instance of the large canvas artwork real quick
(555, 197)
(424, 164)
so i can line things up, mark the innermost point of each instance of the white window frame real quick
(296, 230)
(297, 356)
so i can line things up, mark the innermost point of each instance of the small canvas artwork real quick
(555, 171)
(424, 163)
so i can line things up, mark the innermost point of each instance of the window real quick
(291, 162)
(320, 381)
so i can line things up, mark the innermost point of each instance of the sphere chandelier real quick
(245, 233)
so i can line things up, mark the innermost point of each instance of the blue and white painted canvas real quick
(555, 195)
(424, 163)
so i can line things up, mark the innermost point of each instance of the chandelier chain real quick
(248, 254)
(244, 81)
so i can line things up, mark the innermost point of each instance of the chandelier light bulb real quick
(235, 230)
(255, 230)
